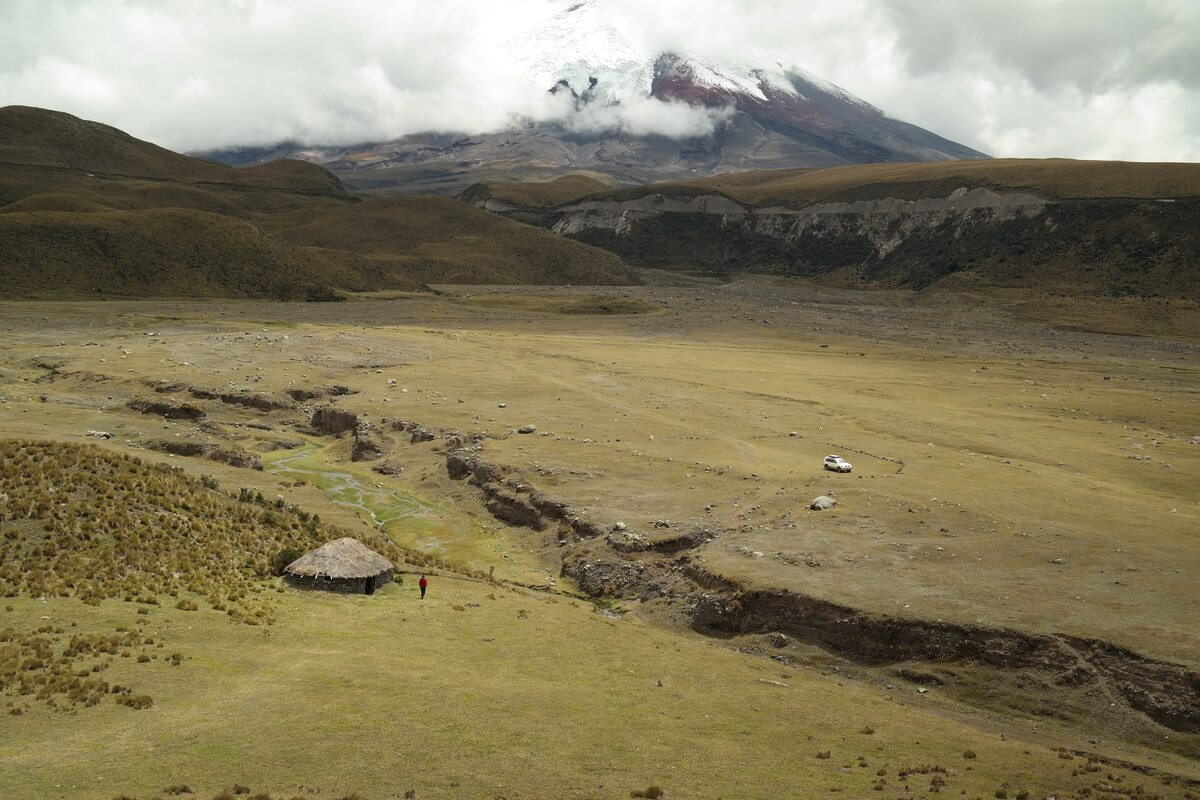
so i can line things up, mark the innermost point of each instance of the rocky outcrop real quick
(258, 401)
(517, 503)
(234, 458)
(331, 420)
(304, 395)
(916, 237)
(369, 443)
(822, 237)
(167, 409)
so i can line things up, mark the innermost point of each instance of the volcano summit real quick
(634, 116)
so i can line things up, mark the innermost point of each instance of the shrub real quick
(284, 557)
(652, 792)
(137, 701)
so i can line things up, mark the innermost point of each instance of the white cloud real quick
(1078, 78)
(644, 116)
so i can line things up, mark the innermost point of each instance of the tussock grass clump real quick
(652, 792)
(80, 521)
(41, 665)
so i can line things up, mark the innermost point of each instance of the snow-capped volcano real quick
(576, 50)
(611, 107)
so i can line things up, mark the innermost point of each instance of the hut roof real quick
(342, 558)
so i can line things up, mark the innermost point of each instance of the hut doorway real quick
(371, 585)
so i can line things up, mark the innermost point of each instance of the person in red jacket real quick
(423, 583)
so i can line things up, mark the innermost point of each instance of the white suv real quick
(837, 464)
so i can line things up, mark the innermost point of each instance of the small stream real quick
(384, 507)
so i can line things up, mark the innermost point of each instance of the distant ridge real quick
(87, 210)
(1110, 229)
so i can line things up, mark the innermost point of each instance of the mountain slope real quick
(635, 116)
(88, 210)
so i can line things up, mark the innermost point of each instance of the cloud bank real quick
(1109, 79)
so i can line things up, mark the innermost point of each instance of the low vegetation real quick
(79, 521)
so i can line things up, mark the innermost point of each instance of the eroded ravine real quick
(624, 565)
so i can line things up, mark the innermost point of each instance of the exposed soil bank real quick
(618, 565)
(626, 564)
(1167, 693)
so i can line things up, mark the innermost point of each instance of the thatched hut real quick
(344, 565)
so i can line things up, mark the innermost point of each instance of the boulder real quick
(821, 503)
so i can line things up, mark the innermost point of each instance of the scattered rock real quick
(821, 503)
(627, 541)
(527, 429)
(100, 434)
(619, 526)
(1058, 561)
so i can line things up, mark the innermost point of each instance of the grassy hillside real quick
(1056, 177)
(191, 228)
(440, 240)
(36, 136)
(168, 253)
(81, 522)
(537, 194)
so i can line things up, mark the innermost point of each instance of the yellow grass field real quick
(1008, 473)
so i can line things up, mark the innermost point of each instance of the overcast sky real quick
(1096, 79)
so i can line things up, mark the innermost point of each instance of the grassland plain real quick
(1025, 434)
(482, 691)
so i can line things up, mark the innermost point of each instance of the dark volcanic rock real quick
(328, 419)
(167, 409)
(234, 458)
